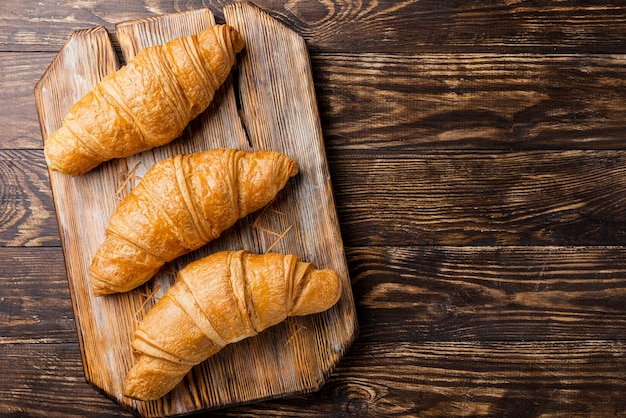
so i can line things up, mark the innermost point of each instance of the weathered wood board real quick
(276, 110)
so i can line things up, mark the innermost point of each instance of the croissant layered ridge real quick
(181, 204)
(216, 301)
(145, 104)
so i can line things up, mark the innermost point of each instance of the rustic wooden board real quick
(280, 113)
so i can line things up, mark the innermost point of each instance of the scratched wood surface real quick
(476, 152)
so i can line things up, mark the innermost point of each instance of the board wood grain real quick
(422, 293)
(482, 198)
(418, 103)
(389, 197)
(489, 293)
(369, 26)
(434, 379)
(293, 357)
(18, 74)
(26, 210)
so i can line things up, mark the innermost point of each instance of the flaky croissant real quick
(218, 300)
(147, 103)
(182, 203)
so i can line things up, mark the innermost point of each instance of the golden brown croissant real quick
(182, 203)
(218, 300)
(147, 103)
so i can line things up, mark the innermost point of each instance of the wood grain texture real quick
(394, 198)
(485, 293)
(417, 103)
(423, 102)
(302, 350)
(332, 26)
(35, 296)
(18, 74)
(578, 379)
(418, 294)
(481, 198)
(27, 217)
(403, 294)
(49, 374)
(484, 379)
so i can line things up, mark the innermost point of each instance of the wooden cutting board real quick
(268, 103)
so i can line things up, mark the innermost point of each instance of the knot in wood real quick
(356, 407)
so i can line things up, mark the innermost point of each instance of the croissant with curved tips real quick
(182, 203)
(146, 103)
(218, 300)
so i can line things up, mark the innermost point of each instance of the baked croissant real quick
(182, 203)
(145, 104)
(218, 300)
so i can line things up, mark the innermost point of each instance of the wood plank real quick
(35, 303)
(402, 294)
(423, 102)
(471, 378)
(18, 74)
(398, 199)
(537, 27)
(48, 380)
(474, 379)
(471, 101)
(480, 198)
(27, 216)
(105, 324)
(489, 293)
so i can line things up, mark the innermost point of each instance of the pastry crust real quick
(219, 300)
(146, 103)
(182, 203)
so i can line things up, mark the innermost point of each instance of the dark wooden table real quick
(478, 159)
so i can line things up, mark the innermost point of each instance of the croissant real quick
(182, 203)
(147, 103)
(218, 300)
